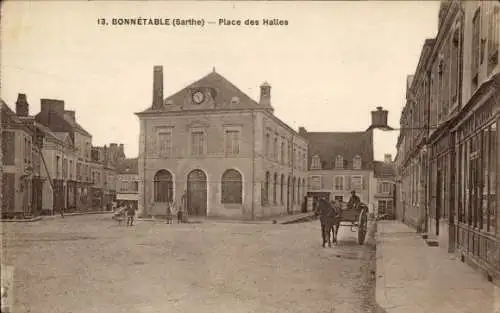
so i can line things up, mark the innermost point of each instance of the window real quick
(275, 183)
(232, 187)
(70, 169)
(493, 156)
(315, 182)
(135, 186)
(339, 162)
(197, 142)
(8, 148)
(384, 187)
(454, 66)
(282, 190)
(165, 144)
(232, 138)
(65, 168)
(58, 166)
(493, 30)
(267, 144)
(385, 207)
(339, 183)
(282, 153)
(339, 198)
(265, 190)
(357, 162)
(357, 183)
(275, 149)
(475, 44)
(79, 171)
(163, 186)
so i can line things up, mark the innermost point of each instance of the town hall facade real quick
(229, 154)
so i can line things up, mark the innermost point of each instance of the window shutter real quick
(348, 183)
(363, 182)
(379, 187)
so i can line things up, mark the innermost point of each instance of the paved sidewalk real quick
(413, 277)
(282, 219)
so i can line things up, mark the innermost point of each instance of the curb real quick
(38, 218)
(50, 217)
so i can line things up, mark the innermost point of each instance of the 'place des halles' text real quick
(150, 21)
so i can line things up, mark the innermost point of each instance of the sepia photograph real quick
(250, 156)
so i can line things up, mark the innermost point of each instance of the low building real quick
(17, 160)
(384, 175)
(127, 182)
(229, 154)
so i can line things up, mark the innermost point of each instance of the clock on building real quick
(198, 97)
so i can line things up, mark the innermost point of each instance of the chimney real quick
(53, 105)
(387, 158)
(379, 118)
(265, 94)
(22, 106)
(157, 87)
(122, 150)
(302, 130)
(71, 115)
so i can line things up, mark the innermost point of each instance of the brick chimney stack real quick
(22, 106)
(71, 114)
(157, 87)
(265, 94)
(302, 130)
(379, 118)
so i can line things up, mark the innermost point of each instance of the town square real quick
(250, 156)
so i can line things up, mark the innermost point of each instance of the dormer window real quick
(235, 100)
(357, 162)
(315, 162)
(339, 161)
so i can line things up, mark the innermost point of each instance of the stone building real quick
(448, 147)
(384, 181)
(340, 162)
(230, 154)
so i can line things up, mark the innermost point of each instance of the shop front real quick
(477, 161)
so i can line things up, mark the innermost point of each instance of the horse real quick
(329, 214)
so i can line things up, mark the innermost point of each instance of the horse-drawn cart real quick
(355, 216)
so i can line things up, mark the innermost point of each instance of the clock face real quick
(198, 97)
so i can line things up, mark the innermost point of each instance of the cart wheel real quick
(362, 226)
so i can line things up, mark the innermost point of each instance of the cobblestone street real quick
(90, 264)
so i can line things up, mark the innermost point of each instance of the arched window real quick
(357, 162)
(339, 162)
(282, 190)
(275, 183)
(163, 186)
(232, 187)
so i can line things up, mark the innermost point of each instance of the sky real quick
(329, 67)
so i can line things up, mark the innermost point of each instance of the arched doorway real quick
(197, 193)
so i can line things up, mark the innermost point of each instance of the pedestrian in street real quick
(130, 214)
(182, 207)
(170, 207)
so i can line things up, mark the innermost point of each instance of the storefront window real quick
(492, 176)
(485, 178)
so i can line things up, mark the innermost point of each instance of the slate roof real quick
(77, 126)
(9, 113)
(224, 93)
(327, 145)
(384, 170)
(128, 166)
(47, 131)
